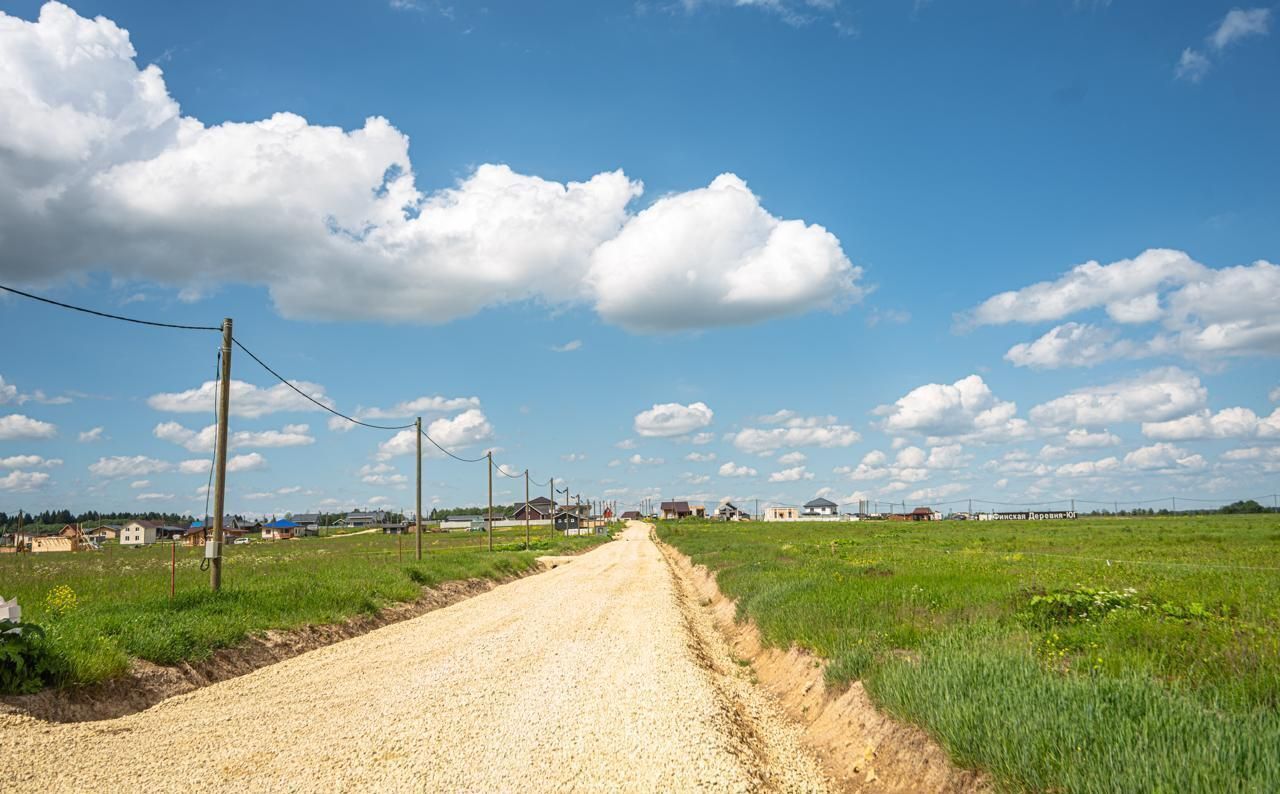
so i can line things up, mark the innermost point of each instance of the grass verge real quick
(1095, 655)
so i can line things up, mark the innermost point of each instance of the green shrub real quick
(24, 662)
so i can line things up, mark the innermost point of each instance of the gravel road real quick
(599, 675)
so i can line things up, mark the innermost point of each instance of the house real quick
(104, 532)
(923, 514)
(538, 509)
(138, 533)
(307, 521)
(196, 535)
(820, 507)
(631, 515)
(569, 519)
(678, 510)
(281, 529)
(731, 512)
(781, 513)
(375, 519)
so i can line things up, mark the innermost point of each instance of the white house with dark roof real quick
(820, 507)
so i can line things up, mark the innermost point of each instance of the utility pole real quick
(417, 510)
(526, 509)
(1174, 501)
(553, 507)
(489, 455)
(220, 461)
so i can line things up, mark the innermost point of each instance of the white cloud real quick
(673, 419)
(431, 404)
(136, 484)
(1274, 395)
(626, 443)
(17, 426)
(639, 460)
(1080, 437)
(964, 410)
(91, 436)
(731, 469)
(947, 456)
(154, 497)
(1088, 286)
(9, 394)
(236, 463)
(699, 439)
(1088, 468)
(1227, 423)
(204, 439)
(792, 458)
(453, 433)
(695, 479)
(23, 481)
(573, 457)
(1241, 23)
(101, 170)
(714, 256)
(29, 462)
(567, 347)
(1192, 66)
(795, 431)
(1163, 457)
(794, 474)
(247, 400)
(1071, 345)
(1205, 314)
(700, 457)
(1153, 396)
(381, 474)
(126, 466)
(935, 493)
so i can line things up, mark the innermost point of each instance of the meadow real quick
(1096, 655)
(99, 609)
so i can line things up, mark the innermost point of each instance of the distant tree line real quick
(441, 513)
(11, 521)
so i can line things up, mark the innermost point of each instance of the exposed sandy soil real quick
(598, 675)
(861, 748)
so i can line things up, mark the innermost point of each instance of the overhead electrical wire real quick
(122, 318)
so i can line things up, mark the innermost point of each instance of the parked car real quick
(241, 541)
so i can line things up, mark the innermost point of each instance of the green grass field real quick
(1096, 655)
(122, 607)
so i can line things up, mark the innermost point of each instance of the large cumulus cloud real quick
(100, 171)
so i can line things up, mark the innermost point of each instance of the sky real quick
(1015, 252)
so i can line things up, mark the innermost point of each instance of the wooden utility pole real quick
(489, 455)
(220, 459)
(526, 509)
(553, 507)
(417, 509)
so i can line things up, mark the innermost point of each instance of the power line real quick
(96, 313)
(447, 452)
(333, 411)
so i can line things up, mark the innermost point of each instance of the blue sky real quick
(795, 247)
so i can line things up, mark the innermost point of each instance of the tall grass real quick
(123, 607)
(1096, 655)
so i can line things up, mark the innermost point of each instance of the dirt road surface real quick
(599, 675)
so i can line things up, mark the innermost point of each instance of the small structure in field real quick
(631, 515)
(104, 532)
(781, 513)
(364, 519)
(280, 529)
(569, 519)
(820, 507)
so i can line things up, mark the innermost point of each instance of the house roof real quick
(282, 523)
(149, 524)
(676, 507)
(631, 514)
(307, 518)
(922, 511)
(820, 502)
(462, 518)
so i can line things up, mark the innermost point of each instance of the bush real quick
(24, 662)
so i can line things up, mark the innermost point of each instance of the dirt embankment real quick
(147, 684)
(861, 748)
